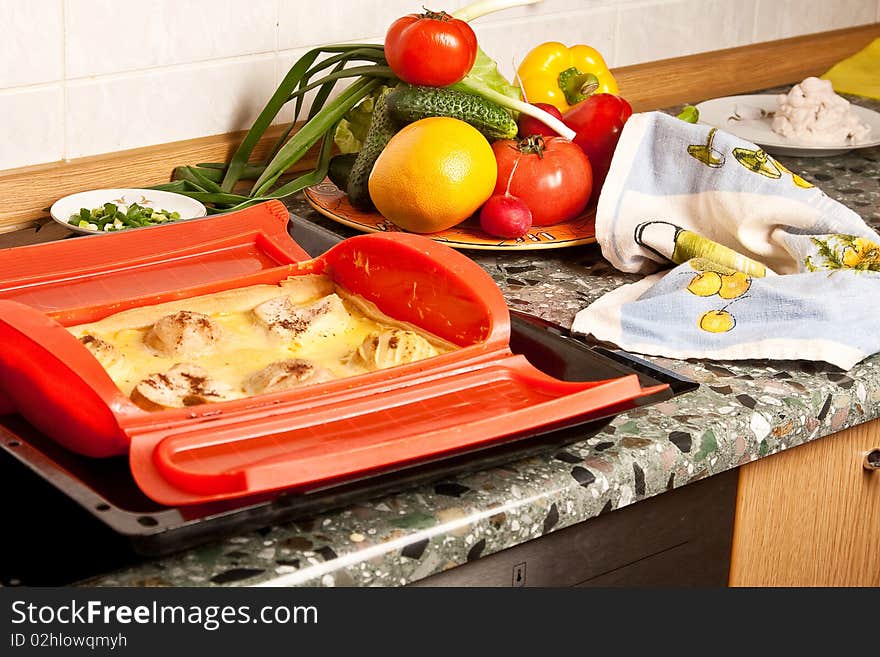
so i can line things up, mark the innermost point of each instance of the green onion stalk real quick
(364, 64)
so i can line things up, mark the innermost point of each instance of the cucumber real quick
(382, 129)
(407, 104)
(340, 168)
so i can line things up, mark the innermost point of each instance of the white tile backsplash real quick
(305, 23)
(32, 45)
(32, 128)
(852, 12)
(161, 106)
(80, 77)
(780, 19)
(509, 41)
(108, 36)
(659, 30)
(544, 8)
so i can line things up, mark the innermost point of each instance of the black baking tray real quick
(108, 503)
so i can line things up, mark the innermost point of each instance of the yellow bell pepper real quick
(561, 76)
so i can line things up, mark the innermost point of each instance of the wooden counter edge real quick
(27, 193)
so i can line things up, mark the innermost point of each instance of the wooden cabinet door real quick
(810, 516)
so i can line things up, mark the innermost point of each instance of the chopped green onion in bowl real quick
(112, 217)
(105, 211)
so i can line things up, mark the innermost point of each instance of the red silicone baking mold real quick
(295, 439)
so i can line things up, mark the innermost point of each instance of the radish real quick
(505, 216)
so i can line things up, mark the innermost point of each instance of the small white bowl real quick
(68, 206)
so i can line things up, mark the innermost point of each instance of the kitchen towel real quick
(859, 74)
(768, 266)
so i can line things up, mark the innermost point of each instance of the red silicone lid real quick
(79, 280)
(365, 433)
(295, 439)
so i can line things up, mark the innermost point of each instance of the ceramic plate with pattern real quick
(327, 199)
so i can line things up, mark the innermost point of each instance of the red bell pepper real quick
(598, 121)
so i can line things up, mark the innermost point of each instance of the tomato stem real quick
(435, 15)
(532, 145)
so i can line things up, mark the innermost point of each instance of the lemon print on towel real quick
(711, 280)
(705, 153)
(757, 161)
(720, 271)
(727, 286)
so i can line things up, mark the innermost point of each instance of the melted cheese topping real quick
(339, 324)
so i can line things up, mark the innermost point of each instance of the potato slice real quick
(104, 352)
(322, 318)
(185, 384)
(184, 333)
(393, 346)
(285, 374)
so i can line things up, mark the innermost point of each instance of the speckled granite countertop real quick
(742, 411)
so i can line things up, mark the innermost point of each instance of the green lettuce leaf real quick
(352, 129)
(485, 75)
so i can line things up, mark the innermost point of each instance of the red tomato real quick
(530, 126)
(598, 121)
(430, 49)
(551, 175)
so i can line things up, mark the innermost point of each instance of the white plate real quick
(718, 112)
(62, 209)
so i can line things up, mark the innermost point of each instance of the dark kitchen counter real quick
(742, 411)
